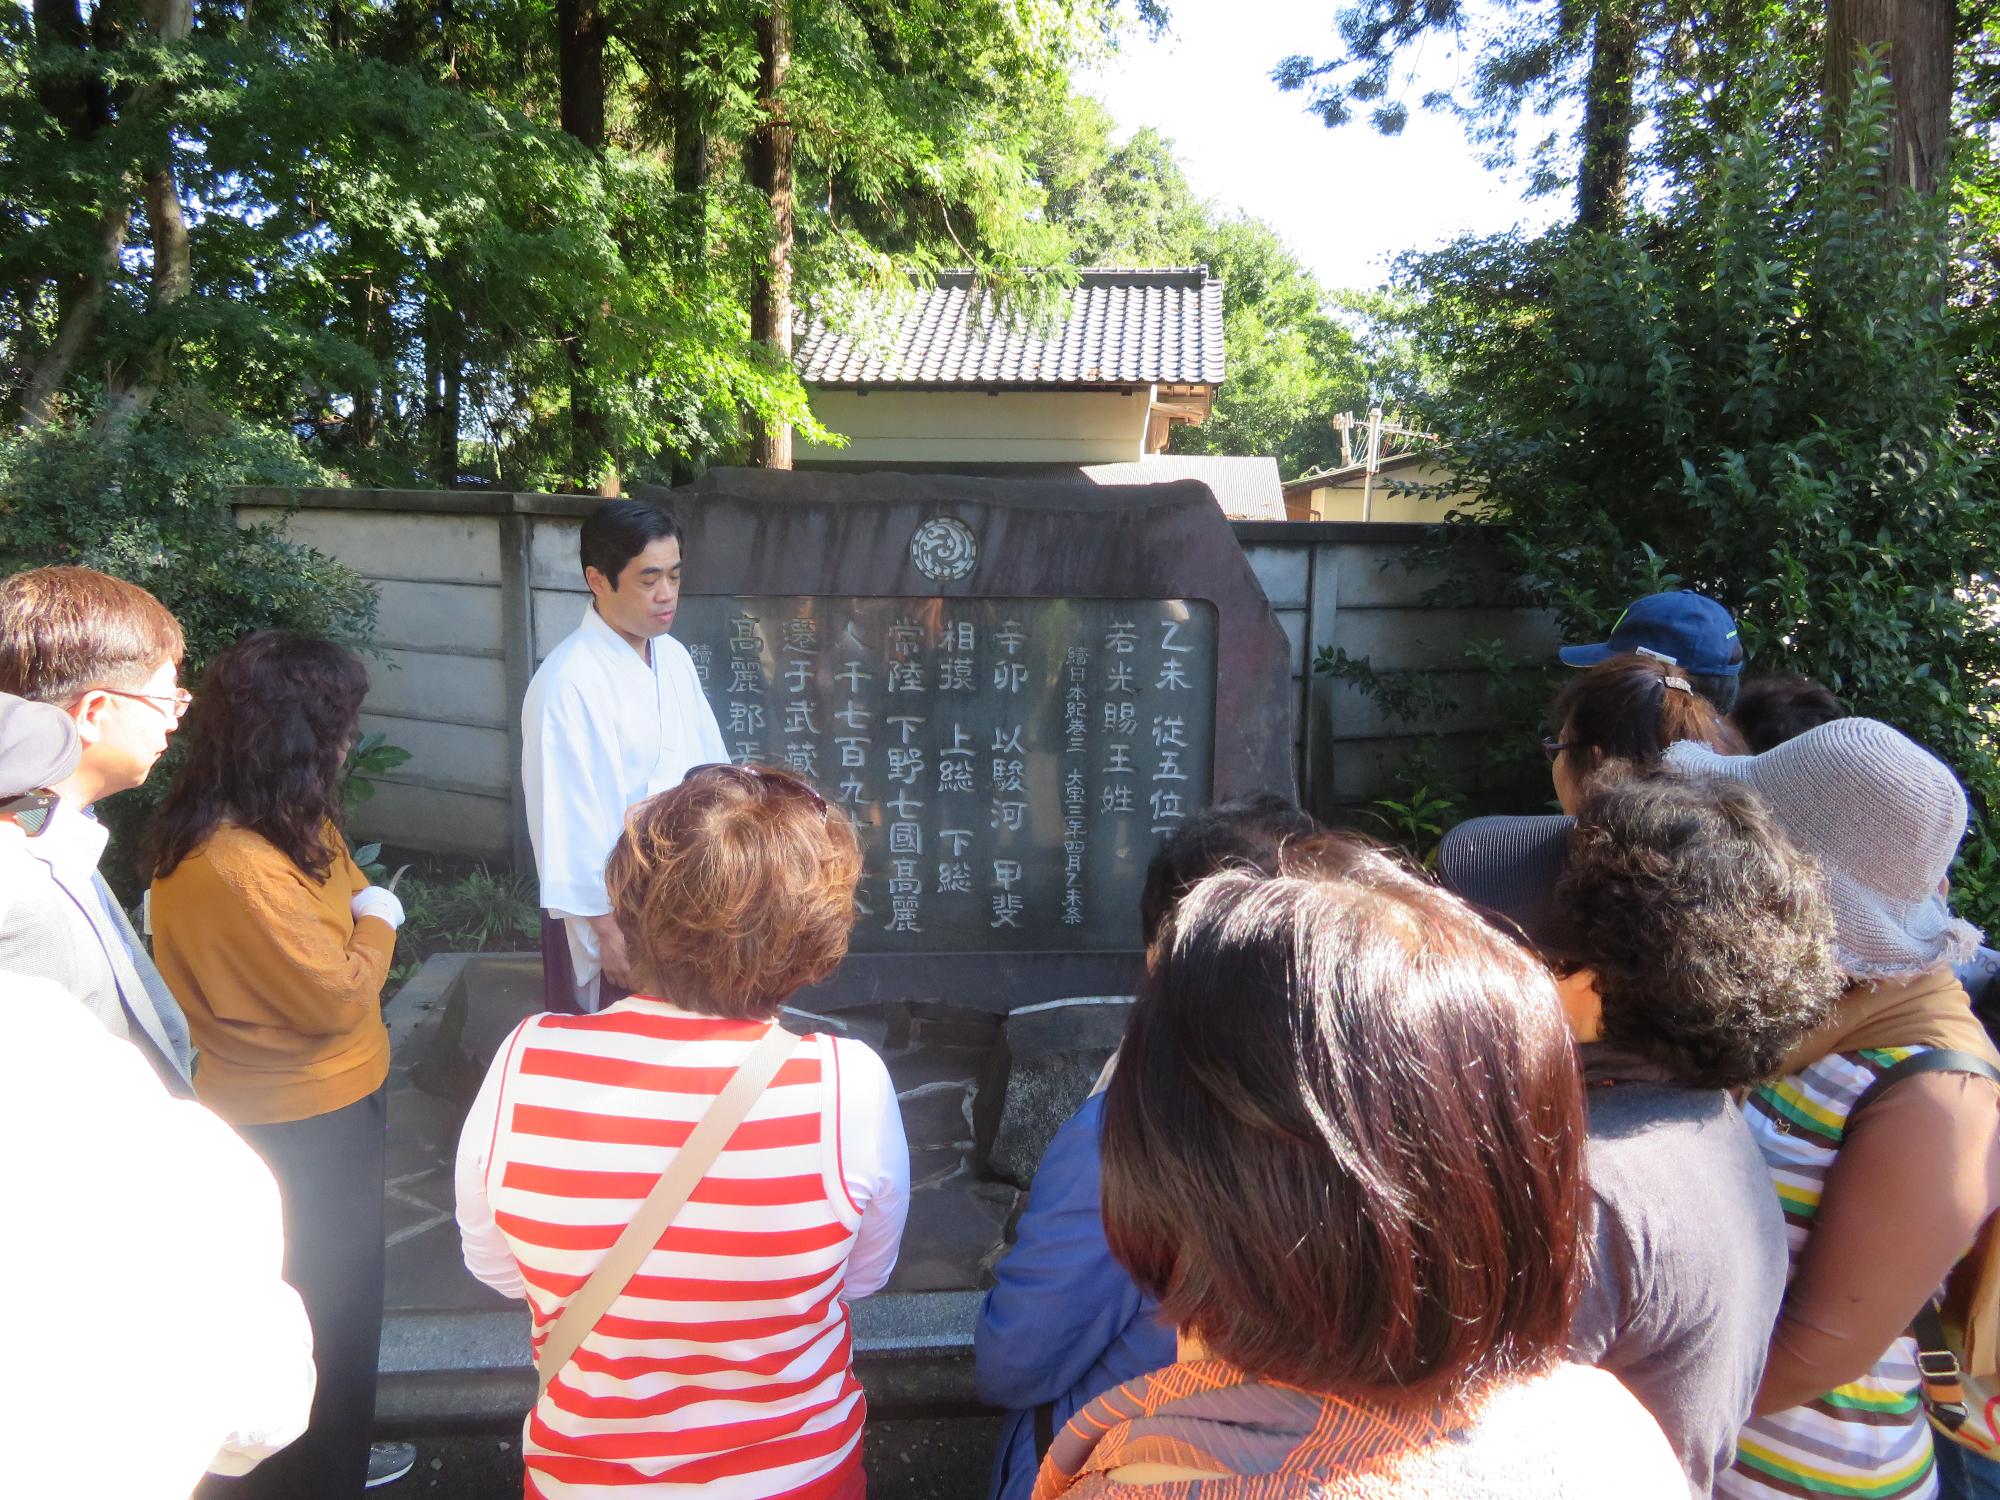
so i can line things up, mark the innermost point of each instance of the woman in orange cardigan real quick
(276, 946)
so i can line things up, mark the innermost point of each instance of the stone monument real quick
(1016, 689)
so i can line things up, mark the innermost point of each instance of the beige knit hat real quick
(1883, 816)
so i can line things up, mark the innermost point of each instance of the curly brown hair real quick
(734, 889)
(1710, 934)
(266, 744)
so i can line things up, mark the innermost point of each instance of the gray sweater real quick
(1687, 1256)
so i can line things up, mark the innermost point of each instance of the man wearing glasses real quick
(104, 656)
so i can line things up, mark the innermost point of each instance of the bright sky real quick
(1345, 200)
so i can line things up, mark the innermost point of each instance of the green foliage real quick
(370, 756)
(148, 501)
(1520, 70)
(399, 256)
(480, 909)
(1757, 397)
(1416, 820)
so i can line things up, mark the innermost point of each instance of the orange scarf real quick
(1241, 1437)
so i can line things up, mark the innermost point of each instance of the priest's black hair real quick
(619, 530)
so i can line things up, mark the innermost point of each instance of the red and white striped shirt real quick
(725, 1366)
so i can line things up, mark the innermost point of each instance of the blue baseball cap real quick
(1689, 630)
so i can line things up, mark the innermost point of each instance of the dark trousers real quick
(559, 974)
(329, 1172)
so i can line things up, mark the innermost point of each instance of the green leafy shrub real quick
(1756, 394)
(149, 501)
(481, 909)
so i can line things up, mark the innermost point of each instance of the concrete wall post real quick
(517, 643)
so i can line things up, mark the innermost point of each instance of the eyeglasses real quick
(30, 809)
(781, 783)
(1552, 748)
(175, 707)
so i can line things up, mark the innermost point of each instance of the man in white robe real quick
(614, 716)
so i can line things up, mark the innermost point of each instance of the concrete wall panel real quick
(1358, 715)
(455, 689)
(1365, 769)
(397, 544)
(452, 617)
(443, 822)
(1282, 570)
(1424, 639)
(556, 614)
(552, 560)
(1374, 575)
(448, 754)
(1293, 622)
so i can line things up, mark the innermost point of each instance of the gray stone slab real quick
(937, 1115)
(1082, 1022)
(922, 1065)
(1051, 1056)
(953, 1233)
(861, 1025)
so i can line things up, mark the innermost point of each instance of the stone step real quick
(462, 1370)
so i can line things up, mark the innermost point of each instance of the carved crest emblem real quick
(944, 548)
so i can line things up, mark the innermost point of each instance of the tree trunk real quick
(690, 114)
(452, 417)
(361, 426)
(81, 106)
(771, 164)
(132, 391)
(1917, 38)
(580, 73)
(580, 70)
(79, 322)
(689, 109)
(1609, 118)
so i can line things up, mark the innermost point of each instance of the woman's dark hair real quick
(1711, 936)
(1343, 1142)
(266, 738)
(1771, 710)
(1248, 831)
(619, 530)
(1631, 708)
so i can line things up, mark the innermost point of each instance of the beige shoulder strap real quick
(690, 1164)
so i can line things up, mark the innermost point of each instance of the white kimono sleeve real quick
(575, 796)
(707, 729)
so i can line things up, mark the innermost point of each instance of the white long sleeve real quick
(875, 1163)
(487, 1254)
(575, 795)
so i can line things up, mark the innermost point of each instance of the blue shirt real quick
(1063, 1323)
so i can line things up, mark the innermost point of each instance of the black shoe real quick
(389, 1462)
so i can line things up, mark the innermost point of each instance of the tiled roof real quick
(1123, 328)
(1246, 488)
